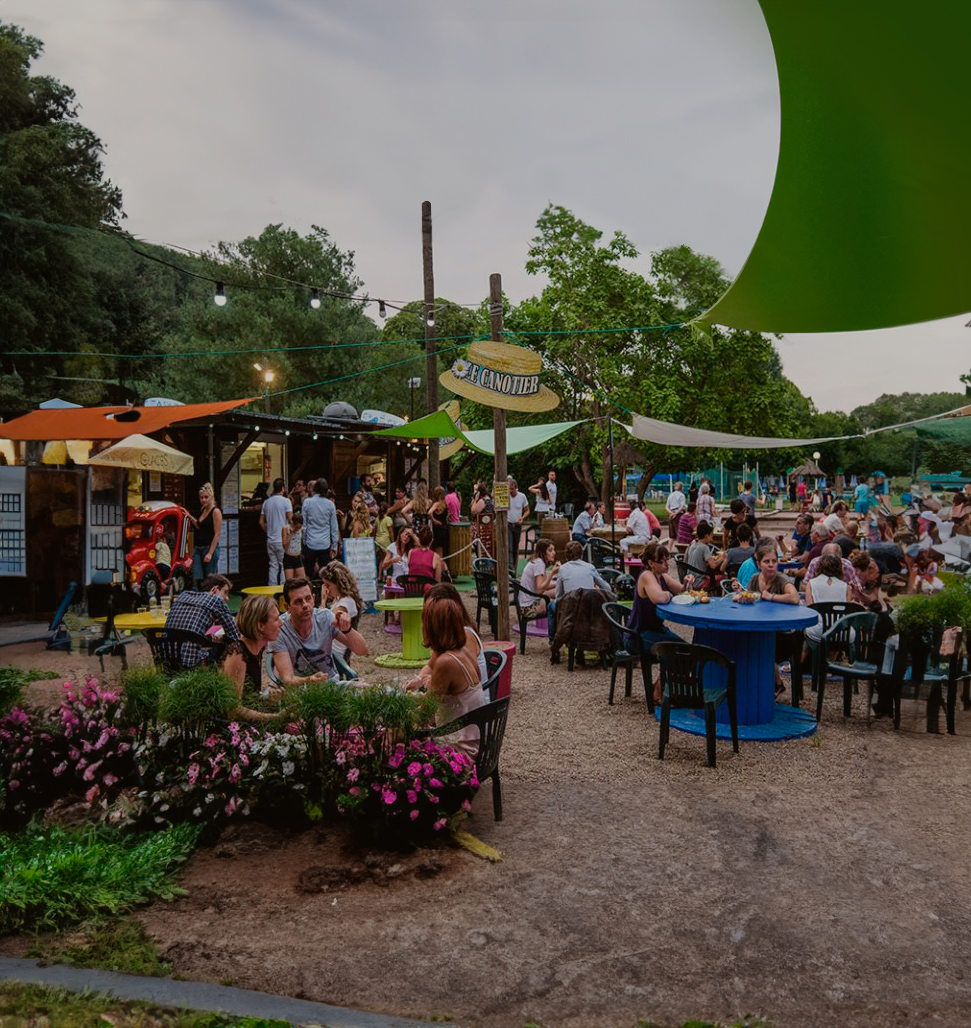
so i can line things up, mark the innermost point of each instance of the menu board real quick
(359, 556)
(229, 494)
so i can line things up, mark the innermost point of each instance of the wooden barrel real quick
(460, 549)
(557, 530)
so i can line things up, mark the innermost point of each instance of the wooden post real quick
(431, 359)
(500, 529)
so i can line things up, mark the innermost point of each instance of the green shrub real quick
(143, 685)
(51, 878)
(13, 682)
(927, 615)
(198, 700)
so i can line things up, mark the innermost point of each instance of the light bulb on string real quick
(220, 296)
(382, 310)
(315, 299)
(430, 320)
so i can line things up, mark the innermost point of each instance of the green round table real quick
(414, 653)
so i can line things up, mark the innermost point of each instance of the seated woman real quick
(539, 575)
(258, 621)
(702, 554)
(451, 673)
(447, 591)
(395, 560)
(827, 587)
(774, 588)
(423, 560)
(655, 585)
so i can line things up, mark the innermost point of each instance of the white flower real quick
(288, 768)
(460, 368)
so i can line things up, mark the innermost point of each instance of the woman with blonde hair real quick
(208, 527)
(438, 513)
(258, 621)
(360, 518)
(418, 506)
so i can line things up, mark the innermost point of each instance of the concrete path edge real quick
(222, 999)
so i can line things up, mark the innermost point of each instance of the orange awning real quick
(108, 422)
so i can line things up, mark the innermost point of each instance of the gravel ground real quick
(816, 881)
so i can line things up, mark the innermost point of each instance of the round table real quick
(745, 633)
(266, 590)
(136, 622)
(413, 651)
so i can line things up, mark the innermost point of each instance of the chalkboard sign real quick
(359, 556)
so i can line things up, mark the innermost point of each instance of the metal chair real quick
(683, 670)
(856, 636)
(176, 649)
(414, 585)
(491, 722)
(626, 649)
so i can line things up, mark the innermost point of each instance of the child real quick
(163, 559)
(292, 546)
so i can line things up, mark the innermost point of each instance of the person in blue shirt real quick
(584, 522)
(862, 496)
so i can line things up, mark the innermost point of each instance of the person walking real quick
(518, 509)
(277, 511)
(321, 531)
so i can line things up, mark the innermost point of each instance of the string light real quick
(382, 310)
(220, 298)
(315, 299)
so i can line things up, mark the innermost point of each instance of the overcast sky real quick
(656, 117)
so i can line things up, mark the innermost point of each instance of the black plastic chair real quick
(703, 578)
(491, 722)
(626, 649)
(855, 636)
(683, 668)
(495, 662)
(414, 585)
(624, 587)
(929, 667)
(524, 611)
(603, 554)
(487, 565)
(486, 599)
(170, 648)
(830, 613)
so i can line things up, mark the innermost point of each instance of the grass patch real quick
(52, 878)
(118, 944)
(13, 682)
(23, 1006)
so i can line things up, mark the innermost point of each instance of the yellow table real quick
(136, 622)
(266, 590)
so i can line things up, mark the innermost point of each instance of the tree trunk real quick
(644, 481)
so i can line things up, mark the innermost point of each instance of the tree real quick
(268, 318)
(606, 331)
(53, 192)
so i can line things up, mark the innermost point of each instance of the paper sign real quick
(500, 495)
(359, 556)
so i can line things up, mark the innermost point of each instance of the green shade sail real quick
(869, 221)
(951, 430)
(438, 425)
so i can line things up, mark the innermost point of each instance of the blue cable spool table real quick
(745, 633)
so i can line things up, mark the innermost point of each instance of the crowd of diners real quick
(266, 653)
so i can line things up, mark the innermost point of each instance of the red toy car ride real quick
(147, 525)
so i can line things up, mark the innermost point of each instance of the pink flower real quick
(434, 783)
(440, 824)
(412, 796)
(92, 794)
(388, 796)
(353, 774)
(428, 769)
(466, 805)
(235, 774)
(354, 791)
(108, 781)
(340, 757)
(414, 768)
(413, 815)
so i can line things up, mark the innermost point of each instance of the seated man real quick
(584, 522)
(198, 612)
(575, 573)
(303, 651)
(641, 525)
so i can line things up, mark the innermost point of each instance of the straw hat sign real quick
(501, 375)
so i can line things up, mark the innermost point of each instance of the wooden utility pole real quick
(431, 359)
(500, 532)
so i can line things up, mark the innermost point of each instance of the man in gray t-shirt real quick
(574, 574)
(304, 648)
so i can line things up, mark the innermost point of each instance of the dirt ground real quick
(817, 881)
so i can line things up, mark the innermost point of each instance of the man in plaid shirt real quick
(198, 612)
